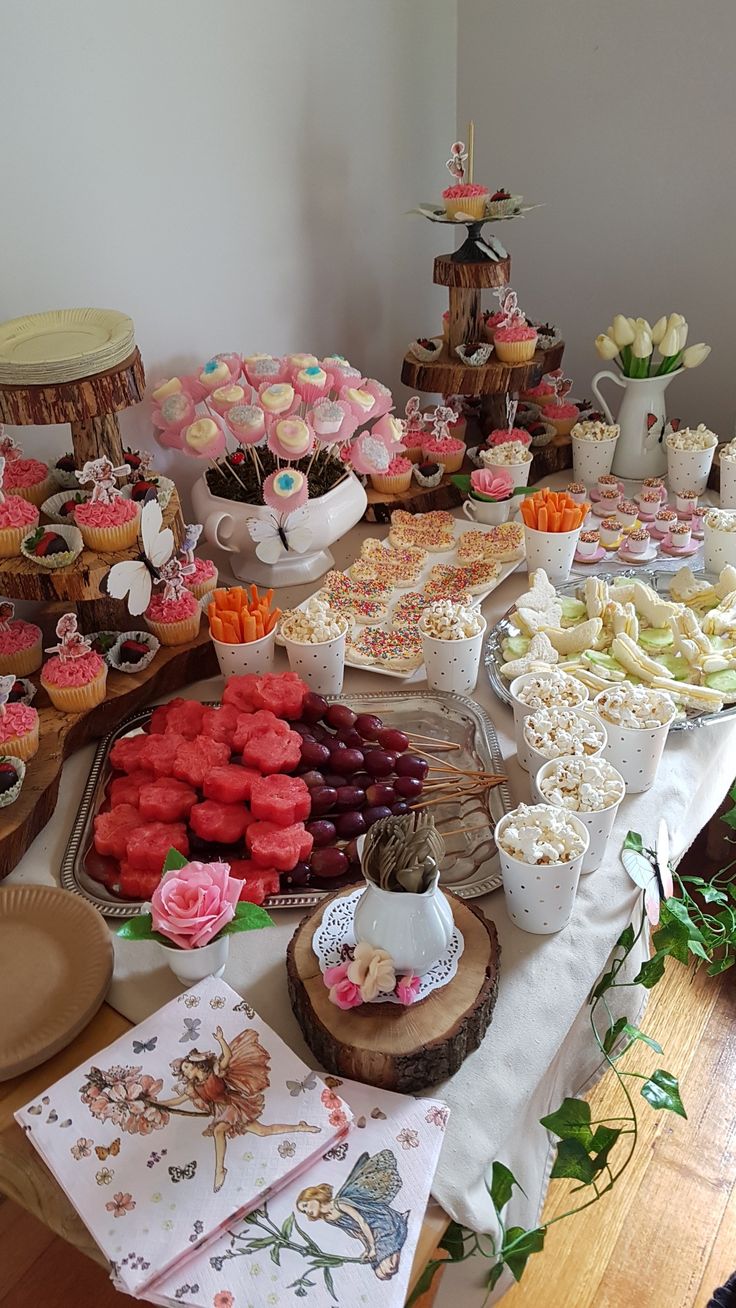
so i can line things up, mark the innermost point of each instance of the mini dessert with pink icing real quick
(174, 621)
(440, 446)
(514, 341)
(396, 478)
(415, 429)
(464, 198)
(19, 724)
(490, 322)
(108, 522)
(27, 478)
(20, 643)
(541, 394)
(75, 677)
(561, 416)
(203, 579)
(17, 517)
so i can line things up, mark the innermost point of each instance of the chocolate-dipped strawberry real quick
(18, 692)
(428, 469)
(66, 510)
(133, 651)
(103, 641)
(44, 542)
(144, 491)
(67, 463)
(8, 775)
(132, 458)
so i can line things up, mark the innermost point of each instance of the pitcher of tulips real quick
(647, 358)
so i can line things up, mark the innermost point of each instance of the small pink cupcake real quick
(17, 517)
(466, 198)
(445, 450)
(541, 394)
(203, 579)
(108, 527)
(396, 478)
(19, 729)
(561, 416)
(515, 344)
(174, 622)
(75, 684)
(20, 643)
(30, 479)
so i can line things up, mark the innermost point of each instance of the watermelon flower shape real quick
(290, 438)
(285, 490)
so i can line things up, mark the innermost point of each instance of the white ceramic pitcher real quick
(414, 929)
(639, 451)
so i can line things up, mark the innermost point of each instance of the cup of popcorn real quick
(727, 458)
(719, 538)
(541, 850)
(314, 636)
(592, 788)
(690, 453)
(553, 732)
(452, 640)
(637, 720)
(593, 448)
(513, 456)
(542, 690)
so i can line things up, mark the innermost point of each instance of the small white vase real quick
(191, 965)
(640, 450)
(414, 929)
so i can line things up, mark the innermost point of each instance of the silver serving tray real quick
(472, 865)
(658, 580)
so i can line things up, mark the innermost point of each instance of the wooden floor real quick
(665, 1237)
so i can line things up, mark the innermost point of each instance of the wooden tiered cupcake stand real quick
(466, 276)
(90, 405)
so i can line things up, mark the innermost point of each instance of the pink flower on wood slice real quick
(372, 969)
(494, 485)
(407, 989)
(191, 904)
(343, 993)
(223, 1299)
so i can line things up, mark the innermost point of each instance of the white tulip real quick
(669, 343)
(658, 330)
(642, 345)
(695, 355)
(606, 347)
(643, 325)
(682, 331)
(622, 331)
(632, 323)
(675, 320)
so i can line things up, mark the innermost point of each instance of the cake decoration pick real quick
(280, 535)
(72, 644)
(7, 612)
(512, 405)
(6, 685)
(101, 474)
(9, 448)
(2, 478)
(192, 533)
(457, 161)
(135, 578)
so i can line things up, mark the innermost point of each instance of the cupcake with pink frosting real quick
(75, 677)
(396, 478)
(108, 521)
(19, 728)
(203, 579)
(20, 643)
(29, 479)
(17, 517)
(515, 343)
(174, 621)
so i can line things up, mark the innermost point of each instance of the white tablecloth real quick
(539, 1047)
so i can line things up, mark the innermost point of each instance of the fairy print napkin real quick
(344, 1233)
(183, 1125)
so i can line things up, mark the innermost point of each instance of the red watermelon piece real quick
(105, 871)
(126, 754)
(230, 784)
(283, 693)
(278, 847)
(136, 883)
(220, 723)
(166, 800)
(126, 788)
(160, 752)
(195, 758)
(253, 724)
(273, 751)
(281, 800)
(150, 842)
(239, 692)
(160, 715)
(114, 829)
(223, 824)
(257, 881)
(185, 716)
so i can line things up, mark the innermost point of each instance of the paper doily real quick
(335, 936)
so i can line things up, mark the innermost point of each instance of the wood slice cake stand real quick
(387, 1045)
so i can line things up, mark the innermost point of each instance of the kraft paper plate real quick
(62, 345)
(55, 967)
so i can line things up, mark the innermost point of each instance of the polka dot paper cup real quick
(689, 469)
(591, 459)
(540, 898)
(728, 483)
(452, 665)
(598, 824)
(552, 550)
(251, 656)
(635, 752)
(719, 548)
(321, 664)
(522, 710)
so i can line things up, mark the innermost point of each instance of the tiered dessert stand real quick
(90, 404)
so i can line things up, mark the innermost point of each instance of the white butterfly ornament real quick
(650, 870)
(135, 578)
(276, 536)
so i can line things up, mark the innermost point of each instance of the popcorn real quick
(636, 707)
(688, 438)
(509, 452)
(582, 785)
(551, 690)
(553, 732)
(593, 430)
(448, 620)
(540, 835)
(728, 451)
(719, 519)
(313, 624)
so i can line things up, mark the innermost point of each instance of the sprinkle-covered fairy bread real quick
(399, 651)
(361, 600)
(445, 581)
(502, 543)
(395, 567)
(409, 609)
(427, 531)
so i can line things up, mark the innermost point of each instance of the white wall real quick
(233, 175)
(618, 115)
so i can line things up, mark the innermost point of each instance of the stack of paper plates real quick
(60, 346)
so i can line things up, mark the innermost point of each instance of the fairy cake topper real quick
(415, 419)
(6, 685)
(143, 469)
(9, 448)
(7, 612)
(511, 407)
(72, 644)
(101, 474)
(2, 478)
(561, 384)
(135, 578)
(192, 533)
(509, 306)
(173, 575)
(443, 416)
(457, 161)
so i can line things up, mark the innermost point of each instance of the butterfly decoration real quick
(185, 1173)
(100, 474)
(72, 644)
(244, 1007)
(145, 1046)
(191, 1029)
(155, 565)
(457, 161)
(155, 1157)
(337, 1152)
(299, 1087)
(278, 535)
(110, 1151)
(651, 871)
(333, 1082)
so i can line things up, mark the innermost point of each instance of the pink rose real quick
(494, 485)
(223, 1299)
(343, 993)
(192, 903)
(407, 989)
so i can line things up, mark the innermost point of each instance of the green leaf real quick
(613, 1033)
(572, 1161)
(502, 1185)
(287, 1227)
(137, 928)
(697, 949)
(721, 965)
(672, 940)
(651, 972)
(603, 1142)
(494, 1276)
(634, 1033)
(662, 1091)
(329, 1282)
(275, 1254)
(571, 1121)
(730, 817)
(634, 841)
(529, 1242)
(603, 985)
(173, 860)
(453, 1242)
(248, 917)
(712, 895)
(679, 911)
(626, 939)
